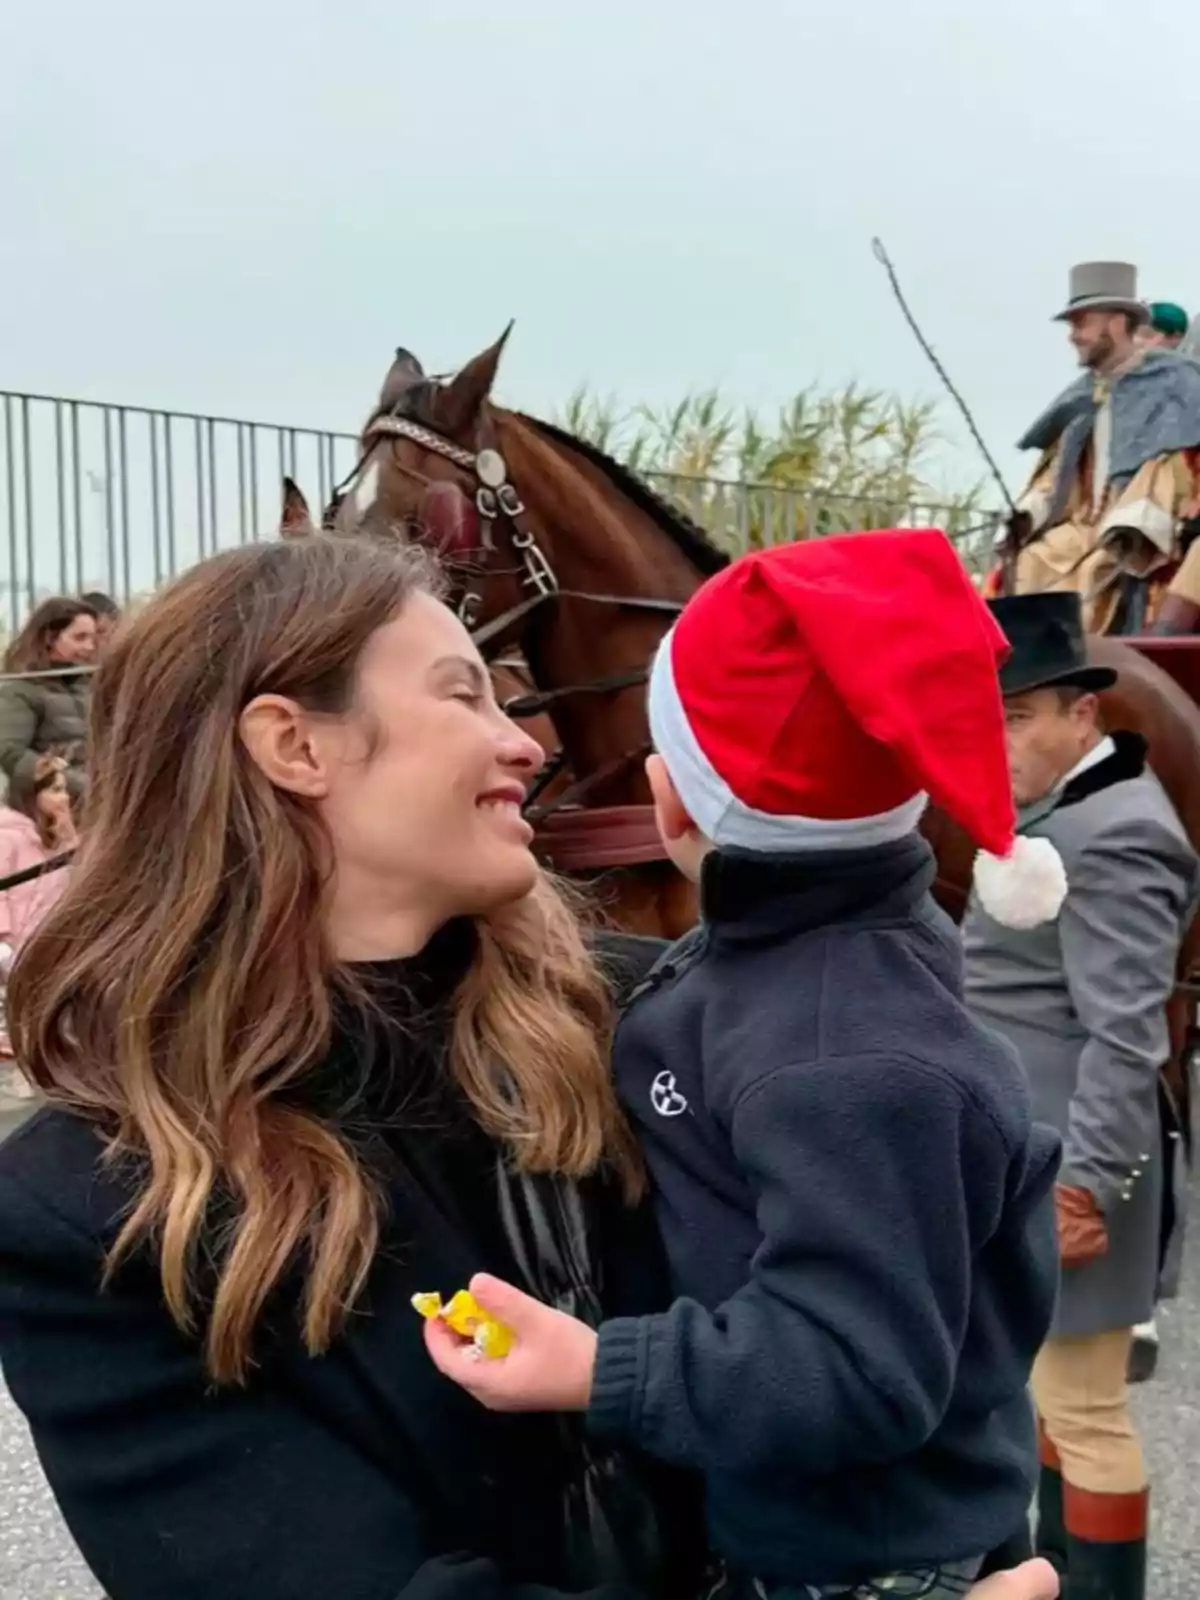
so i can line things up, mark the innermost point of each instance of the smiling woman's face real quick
(75, 644)
(419, 785)
(427, 785)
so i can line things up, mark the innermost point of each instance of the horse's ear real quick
(404, 371)
(456, 404)
(295, 519)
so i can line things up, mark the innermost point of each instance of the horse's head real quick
(431, 471)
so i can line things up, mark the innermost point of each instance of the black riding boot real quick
(1106, 1571)
(1106, 1546)
(1050, 1539)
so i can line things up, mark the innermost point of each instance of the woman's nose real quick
(521, 749)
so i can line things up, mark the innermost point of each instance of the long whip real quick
(885, 262)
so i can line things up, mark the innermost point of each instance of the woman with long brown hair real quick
(317, 1035)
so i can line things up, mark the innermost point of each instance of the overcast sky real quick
(244, 207)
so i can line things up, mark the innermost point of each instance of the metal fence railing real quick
(120, 498)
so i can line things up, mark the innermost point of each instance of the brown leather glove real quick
(1082, 1234)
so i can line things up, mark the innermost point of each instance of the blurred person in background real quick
(1167, 327)
(44, 703)
(108, 614)
(35, 826)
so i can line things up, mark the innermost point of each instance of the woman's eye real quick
(470, 697)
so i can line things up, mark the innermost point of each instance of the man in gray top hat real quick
(1111, 510)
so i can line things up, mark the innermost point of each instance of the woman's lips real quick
(504, 794)
(505, 802)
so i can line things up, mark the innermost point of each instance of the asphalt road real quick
(38, 1560)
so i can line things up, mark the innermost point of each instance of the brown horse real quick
(556, 551)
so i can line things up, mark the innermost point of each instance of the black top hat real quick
(1048, 645)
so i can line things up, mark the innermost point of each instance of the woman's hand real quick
(549, 1367)
(1033, 1580)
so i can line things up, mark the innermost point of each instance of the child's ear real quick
(673, 819)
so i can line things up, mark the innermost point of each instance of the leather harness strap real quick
(599, 839)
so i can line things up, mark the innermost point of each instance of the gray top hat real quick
(1103, 286)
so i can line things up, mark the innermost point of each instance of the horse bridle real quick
(497, 501)
(495, 497)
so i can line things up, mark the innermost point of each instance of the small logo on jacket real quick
(665, 1097)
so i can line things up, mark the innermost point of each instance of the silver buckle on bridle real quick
(495, 496)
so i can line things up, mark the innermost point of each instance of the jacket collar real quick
(1128, 760)
(749, 895)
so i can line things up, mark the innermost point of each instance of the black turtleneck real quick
(387, 1084)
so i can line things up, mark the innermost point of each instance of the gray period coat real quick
(1083, 1000)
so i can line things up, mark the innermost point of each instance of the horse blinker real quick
(450, 521)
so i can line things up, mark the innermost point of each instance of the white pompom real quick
(1024, 888)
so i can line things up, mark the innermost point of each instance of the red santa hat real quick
(816, 696)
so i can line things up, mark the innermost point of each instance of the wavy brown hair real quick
(181, 990)
(30, 650)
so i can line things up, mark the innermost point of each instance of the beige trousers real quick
(1081, 1391)
(1067, 557)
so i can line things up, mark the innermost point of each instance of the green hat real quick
(1169, 319)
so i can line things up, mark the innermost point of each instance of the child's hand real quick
(1034, 1580)
(549, 1367)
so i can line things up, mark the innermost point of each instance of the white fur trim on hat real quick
(1024, 888)
(723, 818)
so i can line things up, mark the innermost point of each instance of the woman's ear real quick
(674, 822)
(281, 743)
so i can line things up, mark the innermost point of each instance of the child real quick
(857, 1210)
(35, 825)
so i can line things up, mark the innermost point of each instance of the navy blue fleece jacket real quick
(858, 1213)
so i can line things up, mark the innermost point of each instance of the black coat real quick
(361, 1475)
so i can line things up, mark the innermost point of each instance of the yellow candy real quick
(467, 1318)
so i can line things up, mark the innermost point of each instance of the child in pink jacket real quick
(35, 825)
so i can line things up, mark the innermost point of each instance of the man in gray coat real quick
(1083, 1000)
